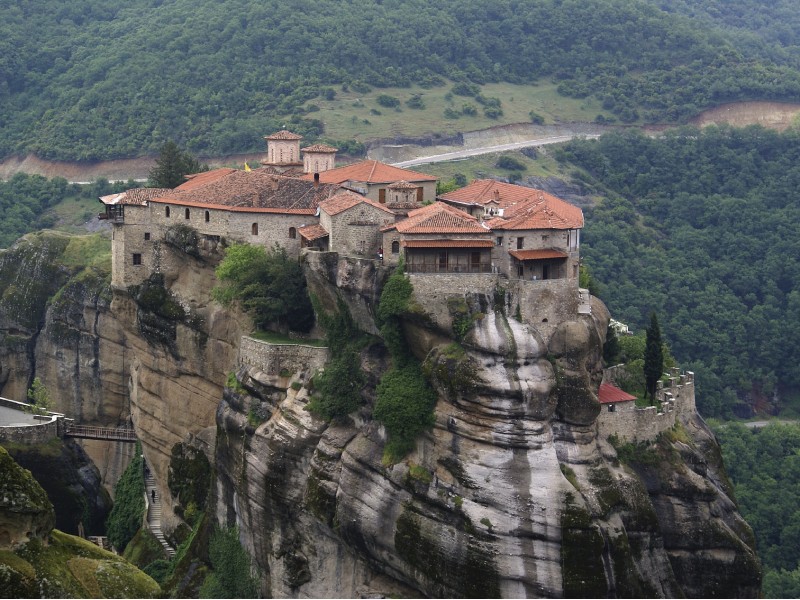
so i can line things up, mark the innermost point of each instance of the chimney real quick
(497, 195)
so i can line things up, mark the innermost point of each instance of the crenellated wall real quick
(643, 424)
(272, 359)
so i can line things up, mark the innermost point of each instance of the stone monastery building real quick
(299, 199)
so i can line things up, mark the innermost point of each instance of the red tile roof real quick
(448, 243)
(523, 207)
(438, 218)
(345, 200)
(283, 135)
(609, 393)
(134, 196)
(370, 171)
(256, 191)
(201, 179)
(312, 232)
(536, 254)
(320, 148)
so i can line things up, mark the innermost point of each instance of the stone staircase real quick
(154, 514)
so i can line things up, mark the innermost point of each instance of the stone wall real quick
(272, 359)
(355, 232)
(632, 424)
(46, 426)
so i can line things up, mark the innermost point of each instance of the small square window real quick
(137, 258)
(146, 236)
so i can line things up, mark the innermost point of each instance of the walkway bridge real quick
(94, 432)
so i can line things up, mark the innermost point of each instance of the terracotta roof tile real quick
(536, 254)
(134, 196)
(609, 393)
(312, 232)
(256, 190)
(523, 207)
(201, 179)
(439, 218)
(345, 200)
(283, 134)
(370, 171)
(449, 243)
(323, 148)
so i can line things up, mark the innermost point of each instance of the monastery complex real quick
(300, 199)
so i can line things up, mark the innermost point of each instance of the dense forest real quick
(764, 466)
(97, 79)
(701, 227)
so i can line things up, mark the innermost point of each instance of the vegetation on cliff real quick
(269, 285)
(700, 226)
(129, 506)
(230, 576)
(96, 79)
(405, 399)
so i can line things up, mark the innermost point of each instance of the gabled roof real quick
(283, 134)
(346, 200)
(370, 171)
(257, 191)
(523, 207)
(312, 232)
(609, 393)
(321, 148)
(402, 185)
(133, 196)
(438, 218)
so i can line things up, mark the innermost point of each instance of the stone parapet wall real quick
(272, 359)
(49, 426)
(632, 424)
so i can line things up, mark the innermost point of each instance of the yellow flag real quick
(247, 167)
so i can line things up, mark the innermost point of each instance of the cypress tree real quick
(172, 165)
(653, 357)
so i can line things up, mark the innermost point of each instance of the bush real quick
(536, 118)
(415, 102)
(465, 89)
(388, 101)
(510, 163)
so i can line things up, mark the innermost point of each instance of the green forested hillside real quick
(98, 79)
(702, 227)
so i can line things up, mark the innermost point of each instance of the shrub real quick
(465, 89)
(338, 388)
(231, 567)
(415, 102)
(388, 101)
(510, 163)
(536, 118)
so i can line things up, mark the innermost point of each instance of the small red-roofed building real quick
(372, 179)
(439, 239)
(536, 234)
(612, 398)
(353, 223)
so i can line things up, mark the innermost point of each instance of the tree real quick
(39, 397)
(653, 357)
(269, 285)
(172, 165)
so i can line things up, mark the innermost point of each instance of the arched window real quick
(254, 228)
(316, 166)
(166, 212)
(292, 233)
(208, 216)
(187, 213)
(395, 247)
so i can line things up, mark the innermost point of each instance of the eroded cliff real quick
(511, 493)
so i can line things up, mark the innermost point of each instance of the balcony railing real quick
(435, 268)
